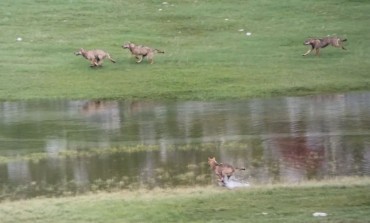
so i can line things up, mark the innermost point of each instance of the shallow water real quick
(60, 147)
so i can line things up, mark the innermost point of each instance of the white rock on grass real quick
(320, 214)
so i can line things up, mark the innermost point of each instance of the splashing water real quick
(233, 183)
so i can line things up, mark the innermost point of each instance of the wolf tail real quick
(240, 168)
(159, 51)
(111, 59)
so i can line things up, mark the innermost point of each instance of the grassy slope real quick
(206, 56)
(276, 204)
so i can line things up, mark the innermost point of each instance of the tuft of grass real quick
(89, 152)
(206, 58)
(344, 200)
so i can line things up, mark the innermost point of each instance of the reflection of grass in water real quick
(36, 157)
(161, 178)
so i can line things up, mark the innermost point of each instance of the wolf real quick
(95, 57)
(139, 52)
(319, 43)
(222, 170)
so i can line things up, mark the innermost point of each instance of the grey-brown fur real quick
(139, 52)
(222, 170)
(96, 57)
(319, 43)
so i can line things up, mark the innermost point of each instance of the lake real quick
(63, 147)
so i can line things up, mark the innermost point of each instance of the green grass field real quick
(345, 200)
(206, 58)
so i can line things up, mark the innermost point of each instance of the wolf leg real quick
(309, 51)
(139, 59)
(150, 58)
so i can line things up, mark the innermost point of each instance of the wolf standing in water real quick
(222, 170)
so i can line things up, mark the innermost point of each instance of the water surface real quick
(66, 147)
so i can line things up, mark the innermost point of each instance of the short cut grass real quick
(344, 200)
(208, 54)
